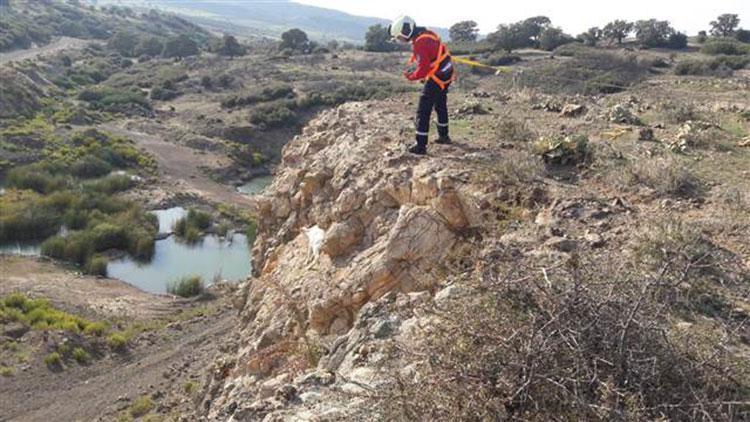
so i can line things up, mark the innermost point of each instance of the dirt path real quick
(104, 297)
(159, 367)
(158, 363)
(180, 166)
(62, 43)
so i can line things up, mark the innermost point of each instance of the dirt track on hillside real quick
(181, 167)
(62, 43)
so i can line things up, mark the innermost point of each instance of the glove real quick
(407, 74)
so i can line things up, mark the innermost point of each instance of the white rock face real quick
(350, 220)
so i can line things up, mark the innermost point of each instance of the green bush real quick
(725, 46)
(191, 226)
(117, 342)
(81, 355)
(96, 329)
(6, 371)
(97, 265)
(141, 406)
(128, 102)
(588, 72)
(90, 167)
(53, 359)
(718, 66)
(164, 94)
(186, 286)
(192, 235)
(39, 314)
(36, 178)
(111, 184)
(266, 94)
(274, 114)
(27, 219)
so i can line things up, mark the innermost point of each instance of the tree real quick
(653, 33)
(591, 37)
(180, 46)
(294, 39)
(677, 41)
(150, 46)
(465, 31)
(725, 25)
(702, 37)
(742, 35)
(532, 28)
(124, 43)
(510, 37)
(553, 37)
(617, 30)
(378, 38)
(231, 47)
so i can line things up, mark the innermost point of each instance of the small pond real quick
(213, 257)
(255, 186)
(21, 249)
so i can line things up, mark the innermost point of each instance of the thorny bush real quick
(584, 340)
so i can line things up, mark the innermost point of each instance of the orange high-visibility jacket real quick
(433, 59)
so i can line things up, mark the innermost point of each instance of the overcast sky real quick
(574, 16)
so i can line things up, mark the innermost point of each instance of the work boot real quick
(418, 150)
(443, 140)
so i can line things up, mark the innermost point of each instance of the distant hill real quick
(269, 18)
(31, 23)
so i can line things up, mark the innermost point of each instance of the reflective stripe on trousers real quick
(432, 98)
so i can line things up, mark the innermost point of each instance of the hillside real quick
(25, 23)
(503, 274)
(580, 252)
(272, 18)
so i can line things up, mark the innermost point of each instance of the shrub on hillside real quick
(588, 72)
(667, 177)
(111, 184)
(127, 102)
(186, 287)
(274, 114)
(90, 167)
(721, 66)
(725, 46)
(36, 178)
(594, 339)
(268, 93)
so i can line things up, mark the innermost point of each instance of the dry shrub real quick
(516, 131)
(694, 267)
(675, 112)
(519, 168)
(667, 176)
(588, 341)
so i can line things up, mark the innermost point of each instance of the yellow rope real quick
(497, 69)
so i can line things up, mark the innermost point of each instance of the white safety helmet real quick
(402, 28)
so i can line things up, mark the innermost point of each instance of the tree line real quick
(538, 32)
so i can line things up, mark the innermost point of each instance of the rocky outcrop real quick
(350, 221)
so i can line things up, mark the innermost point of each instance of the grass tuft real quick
(187, 286)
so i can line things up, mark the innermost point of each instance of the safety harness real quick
(443, 54)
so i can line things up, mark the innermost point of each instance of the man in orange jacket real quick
(435, 68)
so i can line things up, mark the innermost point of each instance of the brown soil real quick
(158, 363)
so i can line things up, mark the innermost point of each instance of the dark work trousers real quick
(432, 98)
